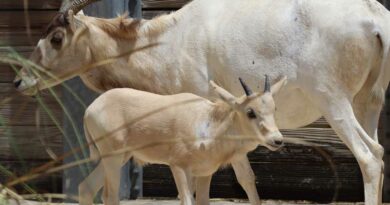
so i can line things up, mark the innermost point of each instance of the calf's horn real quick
(247, 90)
(267, 86)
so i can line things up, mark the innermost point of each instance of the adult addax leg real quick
(368, 113)
(338, 111)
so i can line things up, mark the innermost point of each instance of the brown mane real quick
(120, 27)
(128, 28)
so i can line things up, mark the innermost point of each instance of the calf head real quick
(255, 112)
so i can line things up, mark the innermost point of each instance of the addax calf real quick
(192, 135)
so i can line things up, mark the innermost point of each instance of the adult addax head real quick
(60, 52)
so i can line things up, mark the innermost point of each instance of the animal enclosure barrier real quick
(327, 171)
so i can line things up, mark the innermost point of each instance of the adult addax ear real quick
(275, 88)
(74, 21)
(223, 94)
(77, 26)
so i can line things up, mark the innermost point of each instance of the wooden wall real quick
(322, 173)
(21, 145)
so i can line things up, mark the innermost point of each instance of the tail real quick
(383, 78)
(93, 151)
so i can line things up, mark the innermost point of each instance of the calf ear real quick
(223, 94)
(275, 88)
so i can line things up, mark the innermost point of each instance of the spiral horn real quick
(75, 5)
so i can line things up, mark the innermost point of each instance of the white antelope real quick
(191, 134)
(334, 52)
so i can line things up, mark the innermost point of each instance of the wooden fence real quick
(21, 141)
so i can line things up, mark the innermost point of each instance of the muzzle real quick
(275, 141)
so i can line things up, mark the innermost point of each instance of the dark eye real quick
(56, 40)
(251, 113)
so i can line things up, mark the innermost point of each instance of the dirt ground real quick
(214, 202)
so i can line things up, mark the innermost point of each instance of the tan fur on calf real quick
(190, 134)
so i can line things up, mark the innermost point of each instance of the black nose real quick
(278, 142)
(17, 83)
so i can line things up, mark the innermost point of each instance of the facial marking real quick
(58, 21)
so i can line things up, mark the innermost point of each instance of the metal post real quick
(136, 172)
(75, 135)
(135, 8)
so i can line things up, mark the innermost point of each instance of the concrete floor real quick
(213, 202)
(224, 202)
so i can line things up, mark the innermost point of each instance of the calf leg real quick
(203, 190)
(91, 185)
(339, 113)
(191, 183)
(180, 177)
(112, 171)
(246, 178)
